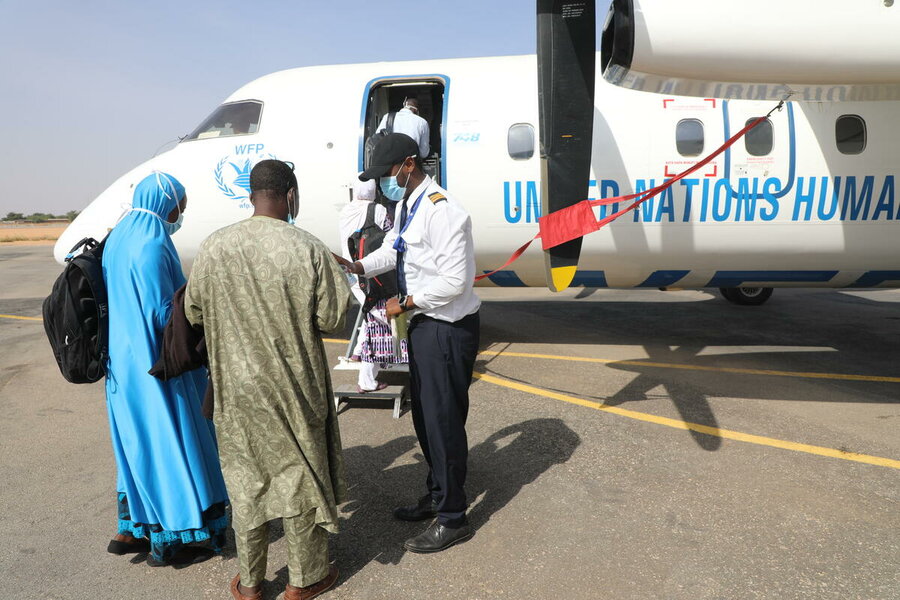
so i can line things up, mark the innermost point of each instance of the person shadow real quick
(510, 459)
(499, 467)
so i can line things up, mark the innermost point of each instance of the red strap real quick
(654, 191)
(512, 259)
(570, 223)
(578, 220)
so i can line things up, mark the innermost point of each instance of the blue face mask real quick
(393, 190)
(171, 228)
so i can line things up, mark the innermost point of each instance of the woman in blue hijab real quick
(169, 484)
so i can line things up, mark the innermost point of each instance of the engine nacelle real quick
(814, 50)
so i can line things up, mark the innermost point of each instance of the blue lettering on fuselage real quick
(249, 148)
(513, 204)
(849, 198)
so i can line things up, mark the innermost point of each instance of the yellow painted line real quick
(674, 423)
(643, 363)
(705, 429)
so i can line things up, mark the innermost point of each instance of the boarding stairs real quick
(399, 373)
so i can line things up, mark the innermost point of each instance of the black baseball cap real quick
(392, 149)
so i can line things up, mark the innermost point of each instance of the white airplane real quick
(806, 199)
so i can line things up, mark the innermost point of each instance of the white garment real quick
(439, 263)
(408, 122)
(368, 371)
(368, 376)
(352, 218)
(363, 190)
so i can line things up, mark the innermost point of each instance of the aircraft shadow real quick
(800, 330)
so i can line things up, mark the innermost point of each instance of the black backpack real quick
(76, 315)
(374, 139)
(363, 242)
(389, 125)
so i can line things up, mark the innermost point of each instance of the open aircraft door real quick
(387, 94)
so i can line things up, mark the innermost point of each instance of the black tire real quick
(747, 296)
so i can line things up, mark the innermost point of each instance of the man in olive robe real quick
(264, 292)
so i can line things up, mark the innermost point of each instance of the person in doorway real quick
(375, 344)
(431, 248)
(170, 489)
(264, 292)
(408, 121)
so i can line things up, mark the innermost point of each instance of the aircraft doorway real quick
(386, 95)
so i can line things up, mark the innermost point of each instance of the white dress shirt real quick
(408, 122)
(439, 262)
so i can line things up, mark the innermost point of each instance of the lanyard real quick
(399, 244)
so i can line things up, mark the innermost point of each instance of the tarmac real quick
(624, 445)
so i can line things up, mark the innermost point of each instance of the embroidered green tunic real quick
(265, 291)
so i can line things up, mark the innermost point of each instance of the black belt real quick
(423, 317)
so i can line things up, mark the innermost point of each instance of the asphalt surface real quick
(585, 482)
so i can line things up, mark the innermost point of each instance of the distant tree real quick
(13, 216)
(38, 217)
(71, 214)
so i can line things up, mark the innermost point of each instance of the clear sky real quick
(91, 88)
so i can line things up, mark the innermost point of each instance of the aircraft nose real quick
(94, 221)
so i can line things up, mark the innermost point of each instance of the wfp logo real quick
(232, 172)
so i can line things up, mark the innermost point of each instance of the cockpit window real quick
(234, 118)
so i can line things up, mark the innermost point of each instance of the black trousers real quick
(441, 359)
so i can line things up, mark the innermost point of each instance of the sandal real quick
(381, 385)
(236, 590)
(311, 591)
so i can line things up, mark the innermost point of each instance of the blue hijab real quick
(166, 455)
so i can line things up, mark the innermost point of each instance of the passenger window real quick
(850, 134)
(689, 137)
(520, 141)
(759, 140)
(234, 118)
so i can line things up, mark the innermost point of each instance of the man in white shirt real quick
(408, 121)
(431, 248)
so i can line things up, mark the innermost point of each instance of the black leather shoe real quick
(424, 509)
(438, 537)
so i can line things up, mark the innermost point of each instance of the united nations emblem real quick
(232, 172)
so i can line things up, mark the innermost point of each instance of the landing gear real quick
(747, 296)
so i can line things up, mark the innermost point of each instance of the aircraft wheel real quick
(747, 296)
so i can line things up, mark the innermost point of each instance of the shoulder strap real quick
(88, 244)
(389, 126)
(370, 215)
(88, 241)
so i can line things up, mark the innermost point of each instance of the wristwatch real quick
(402, 302)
